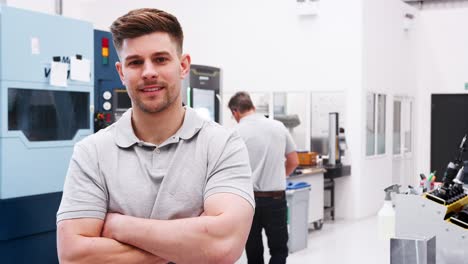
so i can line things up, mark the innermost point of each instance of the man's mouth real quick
(152, 88)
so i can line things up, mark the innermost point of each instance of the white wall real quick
(389, 67)
(252, 41)
(442, 63)
(43, 6)
(260, 45)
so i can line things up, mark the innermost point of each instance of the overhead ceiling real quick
(424, 1)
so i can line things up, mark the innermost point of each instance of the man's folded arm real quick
(217, 236)
(79, 241)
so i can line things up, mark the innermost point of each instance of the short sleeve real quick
(84, 194)
(229, 168)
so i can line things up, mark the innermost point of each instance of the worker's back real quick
(268, 141)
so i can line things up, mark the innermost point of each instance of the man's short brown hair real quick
(144, 21)
(241, 102)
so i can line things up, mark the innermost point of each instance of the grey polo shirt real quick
(268, 141)
(113, 171)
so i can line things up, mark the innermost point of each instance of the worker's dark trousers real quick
(271, 214)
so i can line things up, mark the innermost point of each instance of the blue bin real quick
(296, 185)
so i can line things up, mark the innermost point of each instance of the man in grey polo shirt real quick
(273, 156)
(161, 184)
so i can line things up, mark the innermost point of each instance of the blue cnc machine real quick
(39, 125)
(111, 98)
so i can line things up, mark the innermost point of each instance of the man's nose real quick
(149, 71)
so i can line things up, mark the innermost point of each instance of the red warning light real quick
(105, 42)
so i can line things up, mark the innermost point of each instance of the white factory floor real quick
(342, 242)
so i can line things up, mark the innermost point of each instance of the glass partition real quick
(261, 102)
(370, 124)
(397, 127)
(375, 124)
(291, 109)
(409, 127)
(381, 121)
(322, 104)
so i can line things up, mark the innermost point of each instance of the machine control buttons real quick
(107, 106)
(107, 95)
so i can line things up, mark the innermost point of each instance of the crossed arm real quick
(80, 241)
(217, 236)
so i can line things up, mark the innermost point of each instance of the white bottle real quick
(386, 216)
(319, 161)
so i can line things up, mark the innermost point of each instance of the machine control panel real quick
(111, 98)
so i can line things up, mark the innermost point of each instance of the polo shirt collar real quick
(191, 125)
(125, 135)
(254, 116)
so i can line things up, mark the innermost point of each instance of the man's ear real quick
(118, 67)
(185, 61)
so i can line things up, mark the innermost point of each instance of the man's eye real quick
(135, 62)
(161, 60)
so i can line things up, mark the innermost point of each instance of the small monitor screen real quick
(204, 103)
(123, 101)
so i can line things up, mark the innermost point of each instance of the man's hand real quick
(111, 225)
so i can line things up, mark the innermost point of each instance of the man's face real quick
(152, 69)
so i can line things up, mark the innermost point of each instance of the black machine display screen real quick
(45, 115)
(123, 101)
